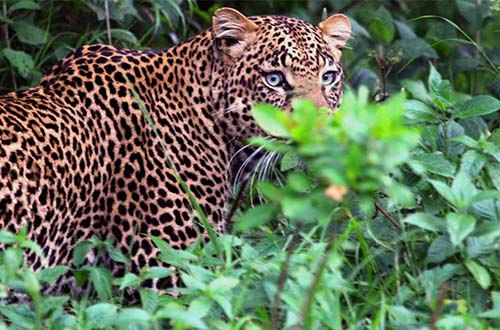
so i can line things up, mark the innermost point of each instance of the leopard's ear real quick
(336, 31)
(232, 31)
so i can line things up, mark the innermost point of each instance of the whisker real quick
(236, 154)
(270, 165)
(237, 135)
(263, 165)
(219, 113)
(243, 166)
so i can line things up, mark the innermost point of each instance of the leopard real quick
(112, 142)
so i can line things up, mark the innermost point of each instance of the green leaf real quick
(117, 255)
(417, 89)
(80, 252)
(30, 34)
(475, 127)
(192, 282)
(405, 32)
(299, 181)
(440, 249)
(477, 106)
(12, 261)
(101, 279)
(400, 194)
(487, 209)
(305, 115)
(495, 297)
(485, 195)
(124, 35)
(419, 112)
(463, 190)
(426, 221)
(189, 318)
(19, 60)
(444, 190)
(402, 315)
(200, 307)
(479, 273)
(273, 120)
(225, 304)
(31, 284)
(158, 272)
(414, 48)
(488, 231)
(6, 237)
(468, 141)
(381, 26)
(459, 226)
(435, 163)
(474, 11)
(298, 208)
(130, 280)
(478, 246)
(495, 312)
(289, 161)
(149, 300)
(258, 216)
(440, 89)
(494, 173)
(222, 284)
(30, 245)
(131, 316)
(491, 149)
(472, 163)
(358, 29)
(118, 10)
(435, 277)
(20, 316)
(50, 275)
(101, 315)
(172, 256)
(431, 137)
(447, 133)
(24, 4)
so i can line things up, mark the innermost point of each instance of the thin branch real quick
(304, 312)
(108, 24)
(7, 41)
(439, 306)
(387, 215)
(5, 25)
(237, 199)
(283, 276)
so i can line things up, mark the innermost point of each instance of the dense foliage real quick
(393, 224)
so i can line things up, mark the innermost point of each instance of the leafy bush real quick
(383, 230)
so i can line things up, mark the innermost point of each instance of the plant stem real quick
(7, 41)
(283, 276)
(439, 305)
(237, 199)
(108, 24)
(5, 26)
(302, 322)
(387, 215)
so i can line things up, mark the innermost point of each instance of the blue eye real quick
(328, 77)
(275, 79)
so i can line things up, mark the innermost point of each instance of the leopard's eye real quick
(275, 79)
(328, 77)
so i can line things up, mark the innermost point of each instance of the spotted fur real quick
(78, 157)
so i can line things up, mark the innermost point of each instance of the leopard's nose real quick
(312, 92)
(317, 96)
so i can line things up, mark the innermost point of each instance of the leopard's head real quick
(273, 59)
